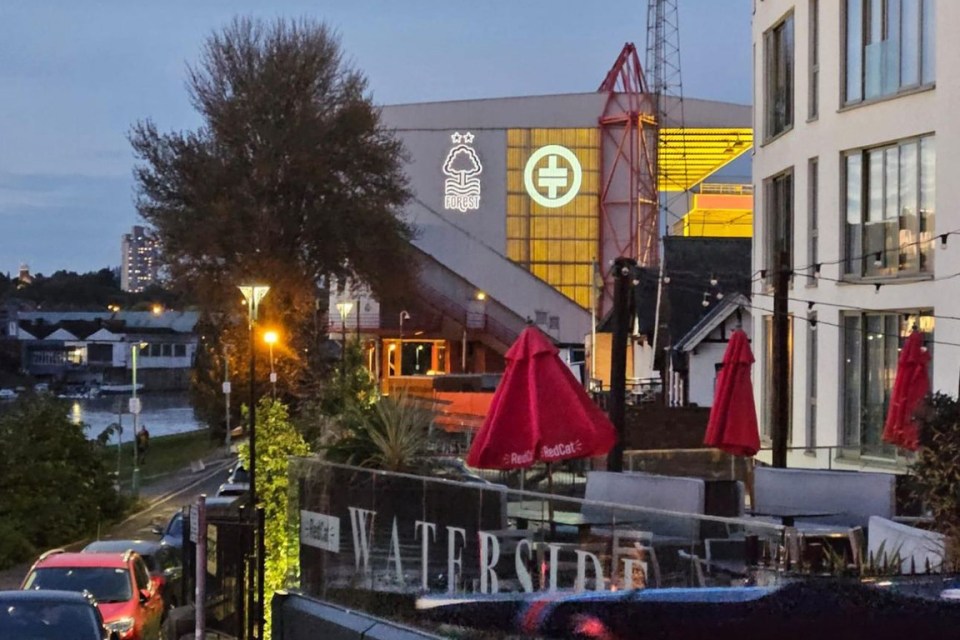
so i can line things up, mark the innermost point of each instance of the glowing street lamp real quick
(270, 337)
(253, 294)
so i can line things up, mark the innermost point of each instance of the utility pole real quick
(623, 273)
(780, 400)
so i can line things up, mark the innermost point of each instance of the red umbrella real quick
(733, 417)
(539, 412)
(909, 388)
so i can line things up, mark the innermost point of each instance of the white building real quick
(140, 260)
(855, 122)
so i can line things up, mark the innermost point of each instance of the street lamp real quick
(270, 337)
(135, 410)
(226, 391)
(403, 316)
(253, 294)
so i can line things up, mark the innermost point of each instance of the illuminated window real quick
(890, 209)
(871, 345)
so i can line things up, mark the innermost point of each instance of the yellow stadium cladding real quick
(688, 156)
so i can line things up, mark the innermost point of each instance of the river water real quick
(162, 414)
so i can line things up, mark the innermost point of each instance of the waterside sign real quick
(322, 531)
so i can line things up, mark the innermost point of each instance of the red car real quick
(129, 600)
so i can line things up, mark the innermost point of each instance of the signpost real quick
(198, 533)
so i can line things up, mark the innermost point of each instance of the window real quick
(812, 380)
(890, 209)
(813, 92)
(180, 350)
(778, 73)
(778, 217)
(889, 47)
(813, 233)
(100, 353)
(871, 345)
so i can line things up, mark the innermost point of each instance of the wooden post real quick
(780, 402)
(623, 274)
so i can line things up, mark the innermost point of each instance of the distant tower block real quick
(24, 276)
(140, 260)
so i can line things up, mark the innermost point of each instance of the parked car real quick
(128, 598)
(172, 534)
(53, 615)
(238, 474)
(228, 489)
(163, 562)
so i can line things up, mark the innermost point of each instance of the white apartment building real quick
(140, 262)
(856, 133)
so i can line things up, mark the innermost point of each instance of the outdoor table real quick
(788, 515)
(528, 511)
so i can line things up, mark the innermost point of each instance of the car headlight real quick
(121, 625)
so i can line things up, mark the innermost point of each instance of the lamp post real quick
(403, 316)
(135, 410)
(226, 392)
(253, 294)
(270, 337)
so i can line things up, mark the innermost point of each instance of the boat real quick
(119, 388)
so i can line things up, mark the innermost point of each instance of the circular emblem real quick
(558, 181)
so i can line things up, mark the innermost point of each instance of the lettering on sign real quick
(461, 189)
(588, 564)
(552, 176)
(561, 450)
(320, 530)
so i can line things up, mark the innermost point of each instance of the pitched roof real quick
(717, 316)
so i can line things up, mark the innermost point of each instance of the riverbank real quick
(165, 454)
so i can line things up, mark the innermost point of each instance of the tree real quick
(277, 441)
(290, 180)
(936, 470)
(56, 482)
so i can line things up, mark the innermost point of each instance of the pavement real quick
(155, 492)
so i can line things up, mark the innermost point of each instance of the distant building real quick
(23, 276)
(140, 260)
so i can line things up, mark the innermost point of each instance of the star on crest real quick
(456, 138)
(468, 138)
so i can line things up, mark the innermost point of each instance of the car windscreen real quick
(48, 620)
(107, 584)
(175, 527)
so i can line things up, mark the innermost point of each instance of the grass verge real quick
(165, 454)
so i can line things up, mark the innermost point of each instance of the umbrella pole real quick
(550, 490)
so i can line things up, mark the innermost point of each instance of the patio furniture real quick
(852, 497)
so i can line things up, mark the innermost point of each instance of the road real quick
(164, 496)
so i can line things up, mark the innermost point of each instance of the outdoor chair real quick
(637, 546)
(694, 566)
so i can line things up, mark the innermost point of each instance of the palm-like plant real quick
(390, 435)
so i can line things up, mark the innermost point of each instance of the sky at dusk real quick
(74, 76)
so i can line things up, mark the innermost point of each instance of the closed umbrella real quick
(910, 387)
(733, 417)
(539, 412)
